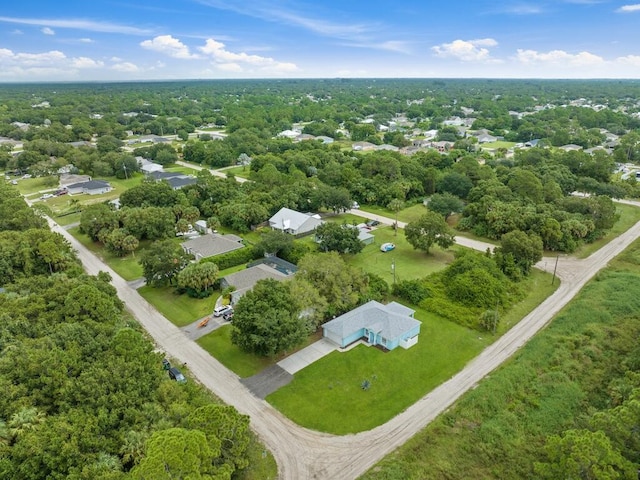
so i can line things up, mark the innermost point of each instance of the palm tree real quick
(25, 420)
(395, 206)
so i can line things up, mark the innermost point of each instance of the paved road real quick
(305, 454)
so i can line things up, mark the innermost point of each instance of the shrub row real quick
(234, 258)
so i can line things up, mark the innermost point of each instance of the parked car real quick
(221, 310)
(228, 317)
(61, 192)
(373, 223)
(46, 195)
(355, 205)
(387, 247)
(175, 374)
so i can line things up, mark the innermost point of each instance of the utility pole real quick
(393, 269)
(554, 269)
(124, 167)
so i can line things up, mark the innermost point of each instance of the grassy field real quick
(218, 344)
(181, 310)
(556, 382)
(127, 267)
(409, 263)
(327, 395)
(498, 144)
(239, 171)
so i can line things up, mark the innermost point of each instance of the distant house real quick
(92, 187)
(532, 143)
(212, 244)
(389, 326)
(244, 280)
(147, 166)
(363, 146)
(67, 179)
(177, 183)
(295, 223)
(571, 147)
(176, 180)
(364, 234)
(486, 138)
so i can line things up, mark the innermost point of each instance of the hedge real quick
(234, 258)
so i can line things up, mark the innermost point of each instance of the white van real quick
(221, 310)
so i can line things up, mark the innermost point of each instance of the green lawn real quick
(218, 344)
(327, 395)
(409, 263)
(239, 171)
(409, 214)
(67, 219)
(127, 267)
(181, 310)
(498, 144)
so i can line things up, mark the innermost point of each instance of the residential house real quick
(363, 146)
(147, 166)
(244, 280)
(212, 244)
(293, 222)
(92, 187)
(176, 180)
(389, 326)
(571, 147)
(67, 179)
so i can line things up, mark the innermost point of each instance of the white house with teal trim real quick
(389, 326)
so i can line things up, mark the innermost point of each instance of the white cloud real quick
(630, 60)
(86, 62)
(391, 46)
(47, 31)
(217, 51)
(126, 67)
(17, 31)
(467, 50)
(629, 8)
(86, 40)
(169, 46)
(267, 10)
(559, 58)
(92, 26)
(54, 63)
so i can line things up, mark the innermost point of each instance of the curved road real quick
(304, 454)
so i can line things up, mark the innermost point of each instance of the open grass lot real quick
(127, 267)
(239, 171)
(555, 383)
(218, 344)
(327, 395)
(67, 219)
(181, 310)
(409, 263)
(408, 214)
(498, 144)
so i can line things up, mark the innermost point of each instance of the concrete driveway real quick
(296, 362)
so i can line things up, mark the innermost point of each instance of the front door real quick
(372, 337)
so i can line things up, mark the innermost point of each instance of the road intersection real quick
(305, 454)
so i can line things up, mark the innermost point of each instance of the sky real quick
(123, 40)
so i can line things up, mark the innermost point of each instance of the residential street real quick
(305, 454)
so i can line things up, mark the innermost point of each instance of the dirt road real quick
(305, 454)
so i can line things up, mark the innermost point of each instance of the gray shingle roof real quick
(212, 244)
(246, 279)
(390, 321)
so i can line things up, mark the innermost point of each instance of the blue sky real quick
(68, 40)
